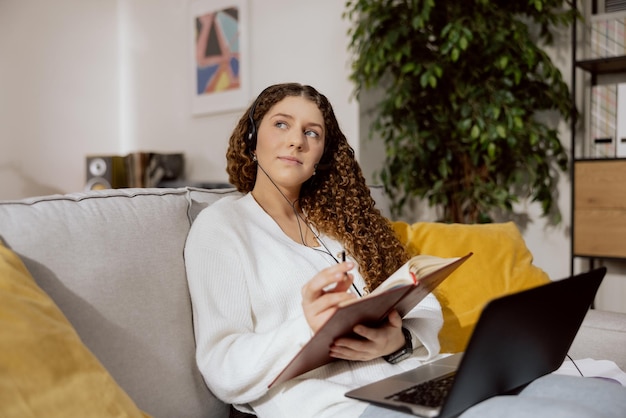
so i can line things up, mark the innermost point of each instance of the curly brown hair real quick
(337, 200)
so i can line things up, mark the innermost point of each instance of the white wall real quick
(58, 92)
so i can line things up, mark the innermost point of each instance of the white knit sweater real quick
(245, 277)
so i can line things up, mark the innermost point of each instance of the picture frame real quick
(219, 56)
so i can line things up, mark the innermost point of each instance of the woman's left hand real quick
(375, 342)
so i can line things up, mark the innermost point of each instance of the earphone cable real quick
(574, 363)
(310, 228)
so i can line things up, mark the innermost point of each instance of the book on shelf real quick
(401, 291)
(603, 120)
(607, 35)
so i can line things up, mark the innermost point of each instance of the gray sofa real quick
(113, 262)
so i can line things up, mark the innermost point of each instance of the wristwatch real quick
(404, 352)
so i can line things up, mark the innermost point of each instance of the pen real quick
(343, 259)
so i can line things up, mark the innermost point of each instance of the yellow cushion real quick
(45, 370)
(501, 264)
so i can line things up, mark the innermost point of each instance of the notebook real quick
(518, 338)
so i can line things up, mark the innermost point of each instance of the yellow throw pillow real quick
(45, 370)
(501, 264)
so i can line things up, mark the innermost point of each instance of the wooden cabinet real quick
(599, 208)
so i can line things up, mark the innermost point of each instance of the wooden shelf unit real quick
(598, 185)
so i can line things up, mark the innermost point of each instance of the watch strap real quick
(404, 351)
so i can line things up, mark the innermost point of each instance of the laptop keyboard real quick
(431, 393)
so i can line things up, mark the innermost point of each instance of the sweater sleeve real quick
(236, 361)
(425, 321)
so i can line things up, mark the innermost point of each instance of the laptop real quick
(518, 338)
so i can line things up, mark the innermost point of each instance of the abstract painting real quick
(220, 67)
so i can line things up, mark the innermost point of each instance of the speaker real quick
(106, 172)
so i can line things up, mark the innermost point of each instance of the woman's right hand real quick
(319, 304)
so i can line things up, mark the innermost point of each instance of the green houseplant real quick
(464, 83)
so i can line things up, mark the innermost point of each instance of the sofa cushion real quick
(501, 264)
(201, 198)
(46, 369)
(112, 261)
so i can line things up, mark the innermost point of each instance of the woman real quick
(264, 269)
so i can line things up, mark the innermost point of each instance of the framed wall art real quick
(220, 58)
